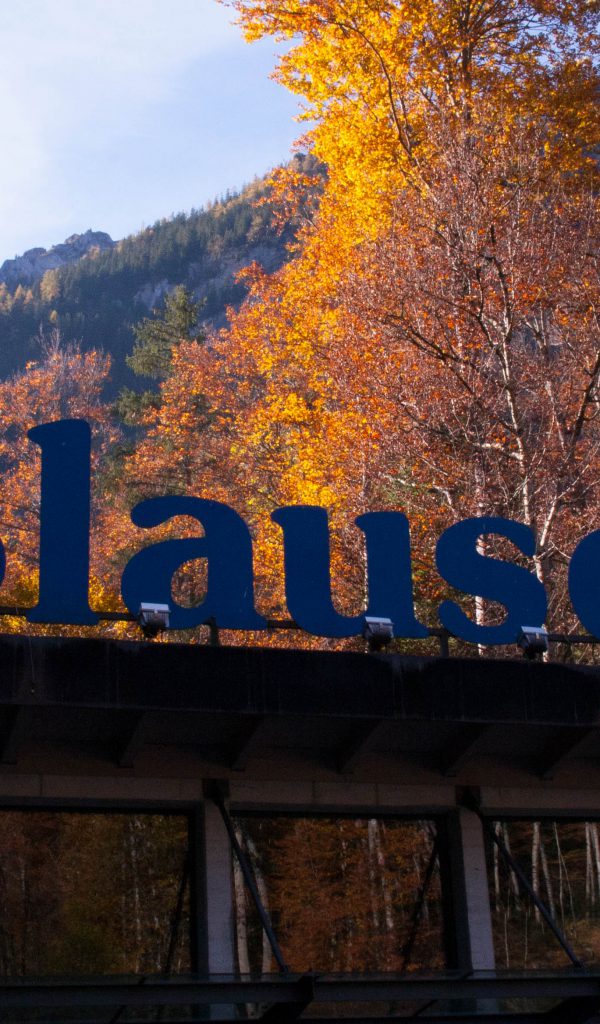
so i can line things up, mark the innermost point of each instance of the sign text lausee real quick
(227, 547)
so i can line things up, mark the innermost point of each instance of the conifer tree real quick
(157, 336)
(156, 339)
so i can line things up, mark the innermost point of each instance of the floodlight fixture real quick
(532, 640)
(378, 632)
(153, 618)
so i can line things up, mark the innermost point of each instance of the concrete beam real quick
(540, 802)
(345, 795)
(565, 743)
(361, 741)
(461, 747)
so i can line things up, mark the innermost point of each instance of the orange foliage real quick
(432, 344)
(64, 383)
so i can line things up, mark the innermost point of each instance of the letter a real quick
(227, 547)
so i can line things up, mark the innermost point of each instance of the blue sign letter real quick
(584, 582)
(64, 524)
(307, 575)
(463, 567)
(227, 546)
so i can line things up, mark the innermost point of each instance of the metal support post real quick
(469, 899)
(469, 892)
(217, 797)
(212, 908)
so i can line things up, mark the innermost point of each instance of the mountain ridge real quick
(33, 263)
(93, 290)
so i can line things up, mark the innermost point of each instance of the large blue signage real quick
(227, 547)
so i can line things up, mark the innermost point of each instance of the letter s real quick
(463, 567)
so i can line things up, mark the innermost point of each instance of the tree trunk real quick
(264, 897)
(241, 921)
(535, 865)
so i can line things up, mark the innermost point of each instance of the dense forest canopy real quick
(434, 344)
(428, 340)
(96, 299)
(423, 336)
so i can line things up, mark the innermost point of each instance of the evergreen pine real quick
(156, 337)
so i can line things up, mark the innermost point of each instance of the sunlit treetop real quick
(377, 75)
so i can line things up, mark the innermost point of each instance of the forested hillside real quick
(429, 344)
(95, 299)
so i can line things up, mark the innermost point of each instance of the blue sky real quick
(119, 112)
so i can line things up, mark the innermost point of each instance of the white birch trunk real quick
(264, 898)
(387, 896)
(535, 864)
(372, 860)
(514, 884)
(135, 891)
(241, 921)
(547, 878)
(596, 854)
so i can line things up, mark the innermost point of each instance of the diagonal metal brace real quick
(524, 883)
(407, 949)
(217, 797)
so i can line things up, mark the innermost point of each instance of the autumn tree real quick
(432, 344)
(174, 447)
(64, 383)
(92, 894)
(345, 894)
(487, 287)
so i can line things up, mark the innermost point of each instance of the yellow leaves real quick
(288, 409)
(326, 388)
(375, 73)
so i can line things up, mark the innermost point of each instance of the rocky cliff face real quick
(34, 263)
(92, 290)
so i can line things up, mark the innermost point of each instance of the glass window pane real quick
(343, 894)
(561, 860)
(91, 893)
